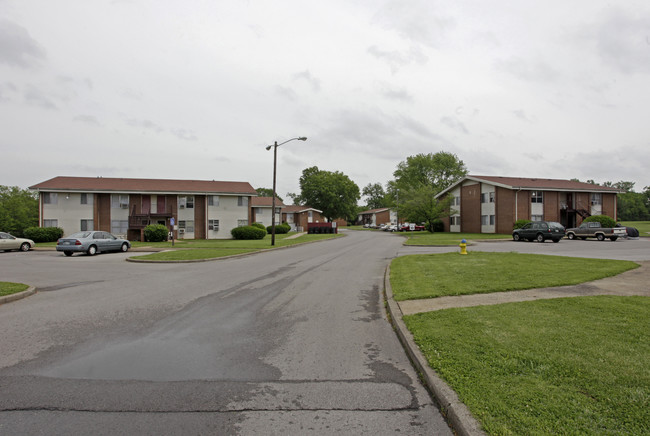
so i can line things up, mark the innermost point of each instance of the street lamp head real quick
(269, 147)
(302, 138)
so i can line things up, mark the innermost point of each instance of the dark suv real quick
(539, 231)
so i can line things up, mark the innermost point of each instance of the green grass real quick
(569, 366)
(436, 275)
(642, 226)
(8, 288)
(213, 248)
(447, 238)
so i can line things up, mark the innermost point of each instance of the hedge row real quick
(248, 232)
(43, 234)
(279, 229)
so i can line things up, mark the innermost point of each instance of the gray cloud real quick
(400, 94)
(623, 40)
(311, 80)
(529, 70)
(35, 97)
(144, 124)
(86, 119)
(287, 93)
(521, 114)
(186, 135)
(17, 47)
(398, 59)
(7, 90)
(455, 124)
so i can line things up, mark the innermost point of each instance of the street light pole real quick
(275, 164)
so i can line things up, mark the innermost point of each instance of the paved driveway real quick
(292, 341)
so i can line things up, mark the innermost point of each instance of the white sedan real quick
(10, 242)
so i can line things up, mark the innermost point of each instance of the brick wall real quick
(505, 210)
(551, 206)
(609, 205)
(470, 205)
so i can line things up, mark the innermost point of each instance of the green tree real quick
(375, 196)
(437, 170)
(632, 206)
(419, 205)
(332, 192)
(268, 192)
(18, 209)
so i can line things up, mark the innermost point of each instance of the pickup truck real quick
(594, 230)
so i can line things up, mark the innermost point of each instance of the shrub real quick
(248, 232)
(520, 223)
(437, 226)
(258, 225)
(279, 229)
(155, 233)
(604, 220)
(43, 234)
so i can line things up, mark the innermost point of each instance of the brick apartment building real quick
(299, 216)
(200, 209)
(375, 217)
(489, 204)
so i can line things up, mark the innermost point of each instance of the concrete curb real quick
(18, 296)
(457, 414)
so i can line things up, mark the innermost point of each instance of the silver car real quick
(10, 242)
(91, 242)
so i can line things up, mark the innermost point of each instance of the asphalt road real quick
(292, 341)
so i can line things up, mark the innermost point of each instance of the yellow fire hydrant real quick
(463, 247)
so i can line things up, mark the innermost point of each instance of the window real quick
(190, 202)
(181, 225)
(86, 199)
(119, 227)
(258, 211)
(242, 223)
(189, 226)
(536, 218)
(242, 201)
(491, 197)
(50, 223)
(456, 201)
(491, 220)
(86, 225)
(485, 220)
(483, 197)
(119, 201)
(454, 220)
(182, 201)
(213, 200)
(213, 225)
(596, 199)
(537, 197)
(50, 197)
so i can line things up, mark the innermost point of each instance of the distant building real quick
(375, 217)
(200, 209)
(261, 210)
(299, 216)
(491, 204)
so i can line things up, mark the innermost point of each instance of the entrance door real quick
(146, 204)
(162, 206)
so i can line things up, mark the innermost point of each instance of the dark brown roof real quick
(108, 184)
(538, 183)
(266, 201)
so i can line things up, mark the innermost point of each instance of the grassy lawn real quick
(642, 226)
(569, 366)
(436, 275)
(213, 248)
(8, 288)
(446, 238)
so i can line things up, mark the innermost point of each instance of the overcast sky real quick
(197, 89)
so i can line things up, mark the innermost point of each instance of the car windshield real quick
(79, 235)
(554, 225)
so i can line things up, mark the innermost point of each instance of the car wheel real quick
(68, 253)
(125, 247)
(516, 237)
(540, 238)
(571, 236)
(25, 246)
(614, 238)
(600, 237)
(92, 250)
